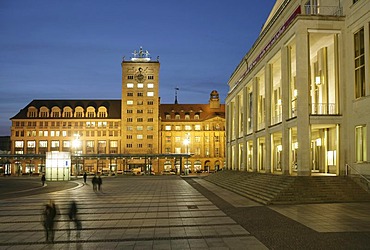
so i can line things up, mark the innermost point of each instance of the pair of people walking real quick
(97, 183)
(50, 213)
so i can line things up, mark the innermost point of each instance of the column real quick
(303, 104)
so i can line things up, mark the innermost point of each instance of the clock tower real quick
(140, 106)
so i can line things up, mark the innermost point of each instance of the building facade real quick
(109, 136)
(297, 101)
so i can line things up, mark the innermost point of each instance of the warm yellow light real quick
(279, 148)
(318, 80)
(318, 142)
(295, 93)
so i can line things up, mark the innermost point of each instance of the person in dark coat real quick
(100, 182)
(49, 213)
(85, 178)
(94, 182)
(43, 179)
(72, 215)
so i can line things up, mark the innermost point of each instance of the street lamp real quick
(186, 143)
(76, 144)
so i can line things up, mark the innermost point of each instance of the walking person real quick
(49, 213)
(72, 214)
(100, 182)
(43, 179)
(85, 178)
(94, 182)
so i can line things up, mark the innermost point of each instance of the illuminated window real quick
(130, 102)
(139, 137)
(150, 93)
(187, 127)
(359, 43)
(361, 144)
(19, 144)
(43, 144)
(55, 144)
(31, 144)
(167, 127)
(197, 127)
(140, 85)
(130, 85)
(150, 85)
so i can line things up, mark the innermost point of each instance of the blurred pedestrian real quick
(72, 215)
(94, 182)
(49, 213)
(85, 177)
(100, 182)
(43, 179)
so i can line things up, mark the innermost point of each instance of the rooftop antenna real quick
(176, 89)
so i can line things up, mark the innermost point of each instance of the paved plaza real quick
(170, 212)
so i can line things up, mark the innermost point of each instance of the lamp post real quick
(76, 144)
(186, 143)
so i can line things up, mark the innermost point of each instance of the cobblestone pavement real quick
(170, 212)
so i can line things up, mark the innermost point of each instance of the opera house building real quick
(298, 101)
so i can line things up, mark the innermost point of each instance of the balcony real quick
(323, 10)
(324, 109)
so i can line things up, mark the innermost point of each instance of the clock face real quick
(140, 76)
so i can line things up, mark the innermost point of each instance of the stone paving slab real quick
(130, 213)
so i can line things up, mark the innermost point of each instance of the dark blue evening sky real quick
(72, 49)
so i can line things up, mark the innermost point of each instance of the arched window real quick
(55, 112)
(32, 111)
(90, 112)
(79, 112)
(102, 112)
(67, 112)
(44, 112)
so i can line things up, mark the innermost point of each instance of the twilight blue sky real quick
(72, 49)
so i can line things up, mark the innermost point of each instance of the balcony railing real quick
(323, 10)
(324, 109)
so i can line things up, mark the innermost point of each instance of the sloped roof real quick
(204, 110)
(113, 106)
(272, 13)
